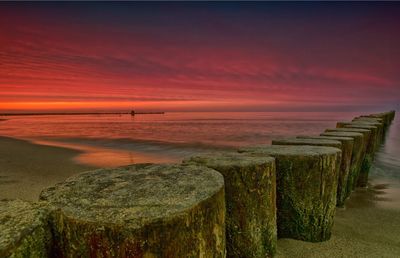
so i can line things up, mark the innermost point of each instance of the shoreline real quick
(27, 168)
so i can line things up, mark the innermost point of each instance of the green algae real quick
(25, 231)
(374, 142)
(139, 211)
(307, 178)
(356, 156)
(250, 187)
(347, 144)
(364, 172)
(381, 127)
(307, 141)
(367, 152)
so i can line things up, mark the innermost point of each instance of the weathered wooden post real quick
(345, 166)
(374, 142)
(308, 141)
(140, 211)
(24, 229)
(367, 154)
(250, 193)
(356, 156)
(306, 189)
(381, 127)
(314, 142)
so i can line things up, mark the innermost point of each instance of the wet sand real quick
(26, 168)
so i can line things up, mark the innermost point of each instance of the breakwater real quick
(199, 208)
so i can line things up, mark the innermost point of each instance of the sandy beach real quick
(26, 168)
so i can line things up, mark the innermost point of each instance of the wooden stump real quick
(250, 187)
(374, 142)
(362, 178)
(24, 230)
(356, 156)
(386, 118)
(345, 165)
(308, 141)
(381, 127)
(306, 189)
(140, 211)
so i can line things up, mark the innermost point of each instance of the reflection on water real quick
(385, 171)
(110, 157)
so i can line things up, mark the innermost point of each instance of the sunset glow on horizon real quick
(199, 56)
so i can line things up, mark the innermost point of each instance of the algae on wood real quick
(386, 117)
(308, 141)
(379, 125)
(345, 166)
(250, 193)
(24, 230)
(356, 156)
(373, 143)
(367, 154)
(306, 189)
(140, 211)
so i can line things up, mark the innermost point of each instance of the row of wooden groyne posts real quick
(211, 205)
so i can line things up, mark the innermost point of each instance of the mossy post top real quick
(367, 122)
(357, 125)
(136, 195)
(308, 141)
(18, 219)
(367, 118)
(337, 138)
(291, 150)
(343, 133)
(346, 129)
(220, 159)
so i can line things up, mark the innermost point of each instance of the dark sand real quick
(26, 168)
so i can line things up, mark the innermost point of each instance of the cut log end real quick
(140, 211)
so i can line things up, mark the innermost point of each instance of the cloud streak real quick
(263, 56)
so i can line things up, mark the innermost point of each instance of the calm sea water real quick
(113, 140)
(385, 171)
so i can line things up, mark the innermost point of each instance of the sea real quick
(115, 140)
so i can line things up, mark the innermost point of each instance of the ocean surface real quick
(114, 140)
(385, 170)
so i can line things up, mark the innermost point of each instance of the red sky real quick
(199, 56)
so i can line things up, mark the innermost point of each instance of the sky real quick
(200, 56)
